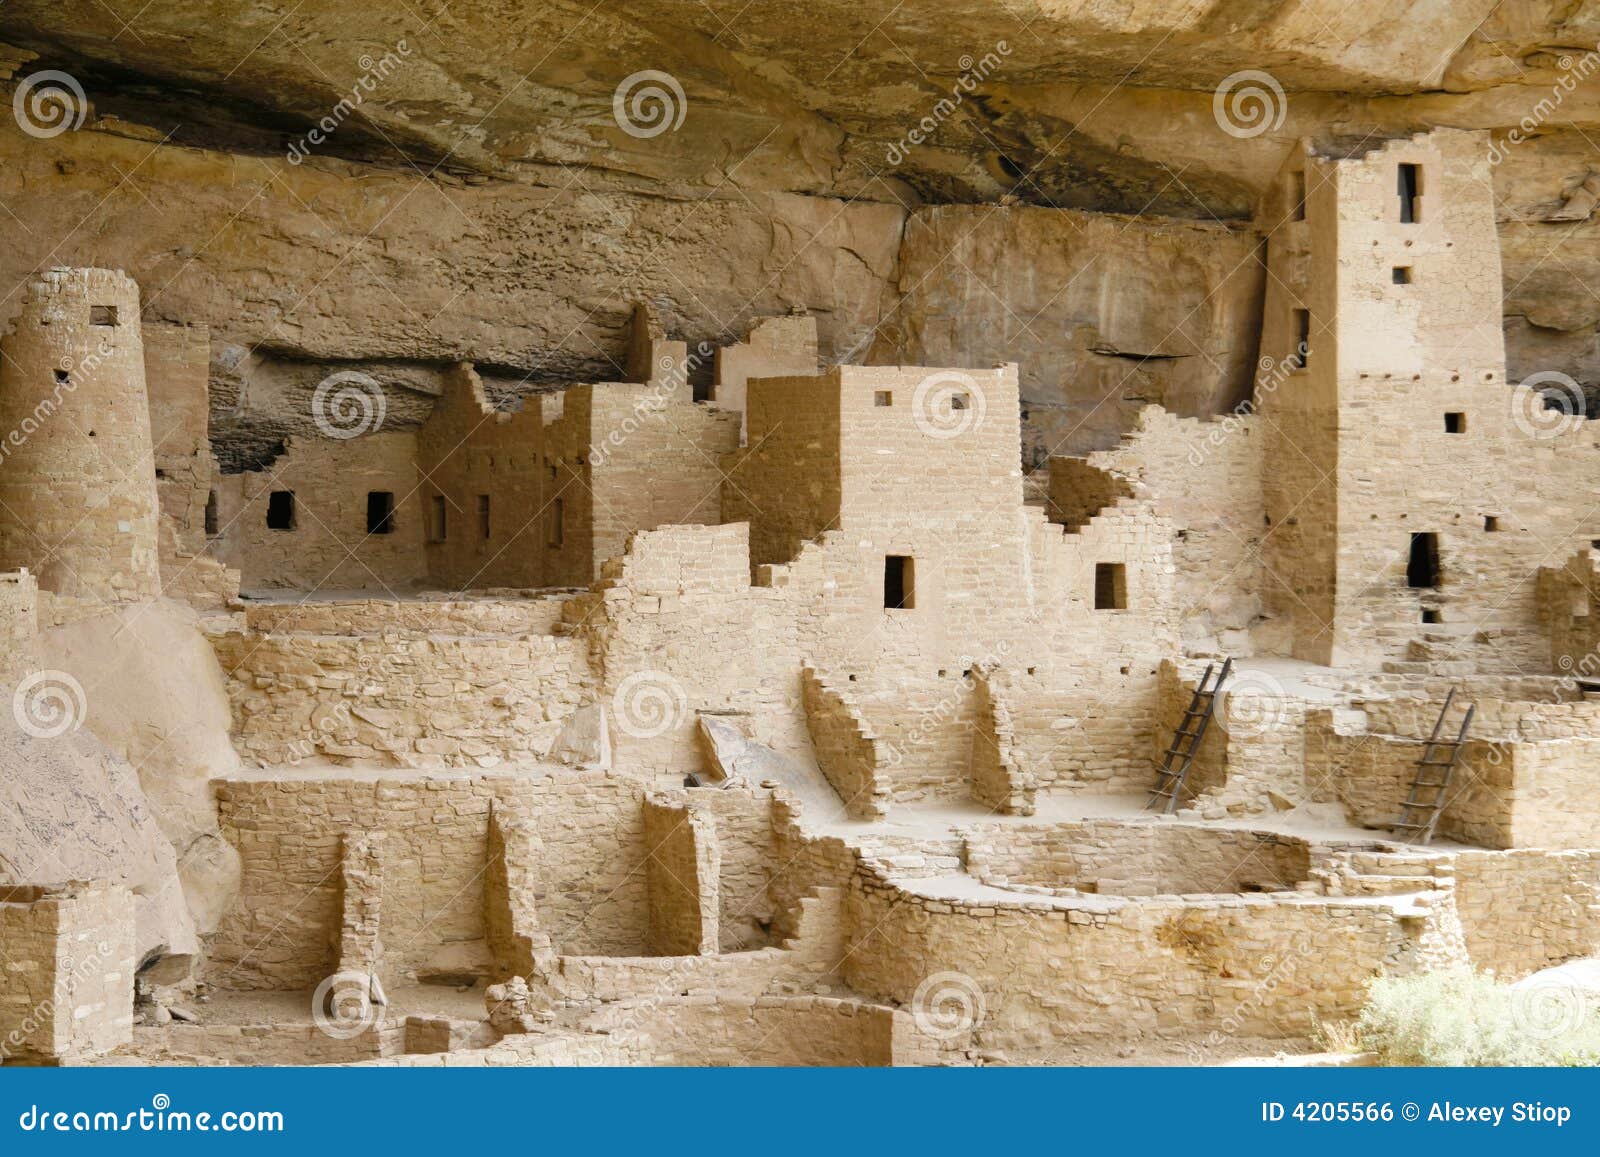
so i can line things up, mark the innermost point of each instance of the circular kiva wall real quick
(1109, 857)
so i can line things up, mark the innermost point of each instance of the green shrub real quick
(1460, 1017)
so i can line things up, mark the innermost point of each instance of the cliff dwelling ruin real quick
(431, 653)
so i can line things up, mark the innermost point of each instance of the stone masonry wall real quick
(66, 987)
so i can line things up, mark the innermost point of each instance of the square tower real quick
(1384, 402)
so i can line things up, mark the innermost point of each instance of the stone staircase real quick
(1354, 872)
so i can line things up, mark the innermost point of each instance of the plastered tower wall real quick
(77, 488)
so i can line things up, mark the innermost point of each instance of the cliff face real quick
(392, 187)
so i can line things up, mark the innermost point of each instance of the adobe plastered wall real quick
(78, 502)
(327, 546)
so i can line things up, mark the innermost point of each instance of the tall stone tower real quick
(78, 501)
(1389, 442)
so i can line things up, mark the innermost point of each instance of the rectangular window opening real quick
(1401, 274)
(61, 377)
(1110, 586)
(1301, 357)
(959, 401)
(1297, 193)
(558, 519)
(280, 510)
(1430, 616)
(380, 512)
(1455, 422)
(438, 519)
(883, 398)
(1491, 523)
(1422, 568)
(1409, 187)
(102, 315)
(899, 582)
(211, 515)
(483, 515)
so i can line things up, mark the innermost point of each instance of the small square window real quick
(1430, 616)
(1401, 274)
(899, 582)
(1491, 523)
(280, 510)
(1455, 422)
(883, 398)
(102, 315)
(61, 377)
(380, 512)
(1110, 586)
(959, 401)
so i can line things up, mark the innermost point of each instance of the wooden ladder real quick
(1419, 815)
(1186, 740)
